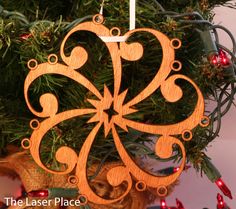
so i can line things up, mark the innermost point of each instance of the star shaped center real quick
(110, 112)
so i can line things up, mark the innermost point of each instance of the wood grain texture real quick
(106, 100)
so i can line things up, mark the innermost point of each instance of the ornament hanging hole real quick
(98, 19)
(34, 124)
(187, 135)
(32, 64)
(25, 143)
(52, 59)
(115, 31)
(83, 200)
(176, 65)
(175, 43)
(73, 180)
(205, 121)
(162, 191)
(141, 186)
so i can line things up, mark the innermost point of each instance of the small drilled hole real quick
(205, 121)
(162, 191)
(25, 143)
(187, 135)
(32, 64)
(52, 59)
(176, 43)
(141, 186)
(34, 124)
(98, 19)
(176, 65)
(73, 180)
(83, 199)
(115, 31)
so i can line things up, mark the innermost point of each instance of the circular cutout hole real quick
(25, 143)
(83, 199)
(115, 31)
(73, 180)
(98, 19)
(162, 191)
(176, 65)
(175, 43)
(52, 59)
(187, 135)
(140, 186)
(32, 64)
(34, 124)
(205, 121)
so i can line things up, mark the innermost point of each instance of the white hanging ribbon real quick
(113, 38)
(132, 20)
(132, 14)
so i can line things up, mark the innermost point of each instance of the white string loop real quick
(132, 14)
(132, 21)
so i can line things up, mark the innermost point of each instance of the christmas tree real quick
(35, 29)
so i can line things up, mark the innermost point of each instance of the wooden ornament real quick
(106, 100)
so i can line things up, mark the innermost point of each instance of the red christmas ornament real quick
(163, 204)
(220, 202)
(220, 59)
(214, 59)
(38, 193)
(222, 186)
(179, 204)
(224, 60)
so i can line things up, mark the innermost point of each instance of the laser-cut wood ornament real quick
(115, 100)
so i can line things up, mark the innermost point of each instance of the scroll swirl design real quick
(170, 91)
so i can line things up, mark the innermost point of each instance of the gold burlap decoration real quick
(134, 200)
(22, 166)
